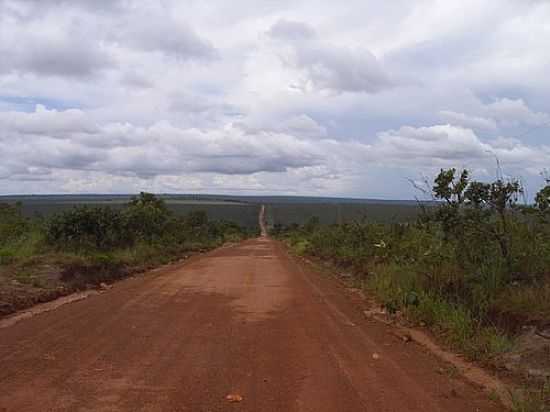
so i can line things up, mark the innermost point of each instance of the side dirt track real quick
(244, 320)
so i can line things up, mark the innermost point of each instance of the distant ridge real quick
(204, 197)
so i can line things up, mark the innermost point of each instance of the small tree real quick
(146, 217)
(502, 198)
(473, 209)
(451, 188)
(542, 199)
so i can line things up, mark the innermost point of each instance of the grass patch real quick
(531, 302)
(400, 288)
(27, 245)
(531, 399)
(300, 247)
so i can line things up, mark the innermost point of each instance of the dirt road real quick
(246, 320)
(262, 222)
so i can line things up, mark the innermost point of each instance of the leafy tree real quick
(86, 227)
(451, 188)
(196, 219)
(477, 194)
(474, 212)
(145, 199)
(146, 217)
(542, 199)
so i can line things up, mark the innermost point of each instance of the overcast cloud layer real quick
(289, 97)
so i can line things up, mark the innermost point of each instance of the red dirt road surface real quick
(245, 320)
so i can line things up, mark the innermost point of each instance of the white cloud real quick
(434, 142)
(297, 125)
(510, 111)
(327, 66)
(498, 114)
(68, 140)
(298, 97)
(46, 51)
(47, 122)
(291, 31)
(164, 35)
(453, 146)
(474, 122)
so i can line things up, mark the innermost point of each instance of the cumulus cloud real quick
(92, 4)
(303, 125)
(42, 121)
(510, 111)
(474, 122)
(287, 97)
(300, 125)
(43, 143)
(135, 79)
(499, 113)
(68, 140)
(453, 146)
(291, 31)
(58, 53)
(328, 66)
(432, 144)
(164, 35)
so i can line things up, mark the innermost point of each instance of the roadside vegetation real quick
(85, 246)
(474, 267)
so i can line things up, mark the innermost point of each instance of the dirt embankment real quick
(45, 278)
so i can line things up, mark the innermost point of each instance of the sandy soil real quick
(243, 320)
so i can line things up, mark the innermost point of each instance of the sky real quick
(301, 97)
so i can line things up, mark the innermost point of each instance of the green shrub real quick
(301, 247)
(7, 256)
(85, 227)
(470, 258)
(19, 237)
(12, 223)
(145, 218)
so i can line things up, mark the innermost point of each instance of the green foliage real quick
(145, 218)
(87, 227)
(301, 247)
(99, 243)
(12, 223)
(19, 237)
(196, 219)
(449, 187)
(476, 213)
(542, 199)
(473, 257)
